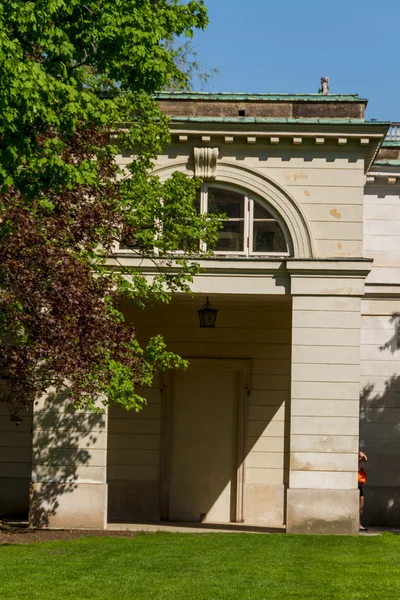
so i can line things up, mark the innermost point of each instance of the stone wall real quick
(264, 106)
(380, 409)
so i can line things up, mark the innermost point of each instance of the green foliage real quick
(76, 88)
(121, 389)
(56, 56)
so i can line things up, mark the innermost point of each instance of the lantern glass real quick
(207, 315)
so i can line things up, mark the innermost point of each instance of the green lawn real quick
(204, 567)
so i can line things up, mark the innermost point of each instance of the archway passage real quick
(212, 443)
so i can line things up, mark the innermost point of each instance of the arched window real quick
(249, 229)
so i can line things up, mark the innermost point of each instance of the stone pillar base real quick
(68, 505)
(323, 511)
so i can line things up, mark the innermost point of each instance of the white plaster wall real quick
(380, 354)
(382, 231)
(327, 181)
(380, 409)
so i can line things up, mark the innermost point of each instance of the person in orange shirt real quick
(362, 479)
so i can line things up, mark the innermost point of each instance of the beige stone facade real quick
(264, 427)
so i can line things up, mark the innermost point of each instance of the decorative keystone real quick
(205, 162)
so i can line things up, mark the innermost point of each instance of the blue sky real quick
(287, 45)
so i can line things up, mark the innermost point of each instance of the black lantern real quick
(207, 315)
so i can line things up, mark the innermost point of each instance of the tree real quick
(76, 88)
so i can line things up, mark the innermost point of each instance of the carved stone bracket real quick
(205, 162)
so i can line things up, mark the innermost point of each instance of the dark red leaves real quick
(54, 302)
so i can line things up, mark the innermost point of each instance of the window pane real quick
(260, 212)
(225, 202)
(268, 237)
(231, 237)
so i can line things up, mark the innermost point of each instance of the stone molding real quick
(328, 277)
(205, 162)
(312, 277)
(286, 208)
(330, 266)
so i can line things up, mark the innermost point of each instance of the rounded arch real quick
(265, 189)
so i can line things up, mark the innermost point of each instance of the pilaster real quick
(69, 480)
(323, 494)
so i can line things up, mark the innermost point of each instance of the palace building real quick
(303, 365)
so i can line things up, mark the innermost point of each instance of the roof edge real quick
(281, 121)
(235, 97)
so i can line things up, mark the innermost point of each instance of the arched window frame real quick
(278, 201)
(249, 201)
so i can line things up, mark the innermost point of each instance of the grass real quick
(204, 567)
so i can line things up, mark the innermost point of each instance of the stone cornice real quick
(331, 266)
(279, 276)
(264, 128)
(346, 134)
(382, 290)
(335, 267)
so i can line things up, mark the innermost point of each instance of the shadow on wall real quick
(133, 499)
(62, 442)
(380, 437)
(170, 444)
(394, 343)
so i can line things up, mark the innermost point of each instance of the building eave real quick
(241, 97)
(210, 130)
(271, 120)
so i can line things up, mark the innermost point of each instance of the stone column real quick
(323, 493)
(69, 467)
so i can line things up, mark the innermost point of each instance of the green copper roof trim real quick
(227, 96)
(288, 120)
(387, 163)
(391, 144)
